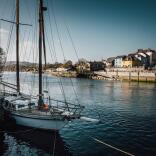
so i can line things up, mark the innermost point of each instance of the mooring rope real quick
(110, 146)
(106, 144)
(54, 145)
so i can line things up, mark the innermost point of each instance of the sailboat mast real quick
(17, 46)
(40, 102)
(44, 47)
(41, 41)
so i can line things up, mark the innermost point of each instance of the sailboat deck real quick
(34, 112)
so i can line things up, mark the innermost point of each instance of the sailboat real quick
(38, 111)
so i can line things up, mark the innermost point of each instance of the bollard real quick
(138, 75)
(129, 76)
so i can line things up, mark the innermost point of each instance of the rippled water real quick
(127, 112)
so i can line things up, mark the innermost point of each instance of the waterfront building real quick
(147, 57)
(131, 61)
(152, 56)
(110, 62)
(97, 65)
(83, 67)
(143, 58)
(118, 62)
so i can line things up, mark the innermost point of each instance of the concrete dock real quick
(140, 76)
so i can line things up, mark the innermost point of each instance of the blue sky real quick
(99, 28)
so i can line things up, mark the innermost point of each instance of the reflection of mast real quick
(17, 46)
(0, 36)
(2, 143)
(41, 40)
(48, 139)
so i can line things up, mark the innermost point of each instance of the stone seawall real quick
(130, 76)
(63, 73)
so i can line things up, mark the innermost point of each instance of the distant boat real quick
(40, 111)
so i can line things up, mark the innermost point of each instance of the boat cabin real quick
(19, 103)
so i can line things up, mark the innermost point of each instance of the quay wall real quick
(139, 74)
(143, 76)
(63, 73)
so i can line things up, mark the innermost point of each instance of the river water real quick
(127, 112)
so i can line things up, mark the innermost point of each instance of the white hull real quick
(25, 112)
(45, 124)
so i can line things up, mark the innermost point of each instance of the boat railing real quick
(7, 93)
(8, 85)
(63, 106)
(66, 106)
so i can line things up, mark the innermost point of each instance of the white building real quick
(118, 62)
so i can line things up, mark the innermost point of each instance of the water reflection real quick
(2, 145)
(17, 140)
(127, 111)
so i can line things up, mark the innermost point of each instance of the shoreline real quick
(130, 76)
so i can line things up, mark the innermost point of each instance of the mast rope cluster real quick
(62, 49)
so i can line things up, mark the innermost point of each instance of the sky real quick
(99, 28)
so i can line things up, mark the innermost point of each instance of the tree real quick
(58, 65)
(82, 61)
(68, 64)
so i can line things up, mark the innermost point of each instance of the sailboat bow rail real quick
(67, 106)
(8, 85)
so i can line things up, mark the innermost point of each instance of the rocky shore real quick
(63, 74)
(139, 76)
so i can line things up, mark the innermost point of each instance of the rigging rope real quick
(60, 81)
(57, 29)
(54, 50)
(74, 47)
(76, 52)
(71, 39)
(9, 40)
(60, 42)
(35, 57)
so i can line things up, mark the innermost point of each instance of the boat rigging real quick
(39, 111)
